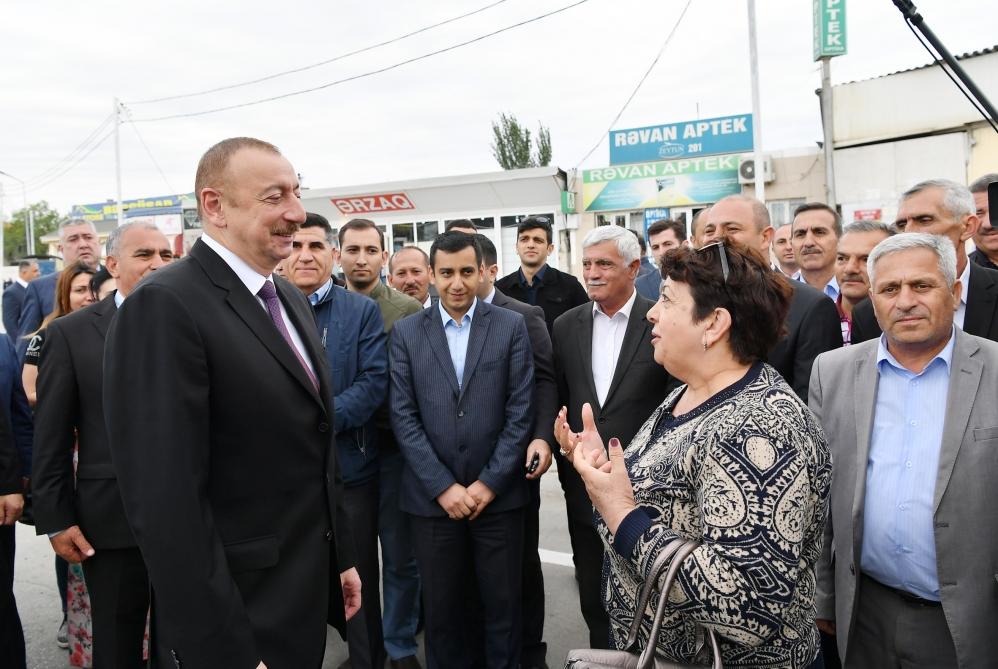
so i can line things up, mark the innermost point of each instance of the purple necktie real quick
(268, 293)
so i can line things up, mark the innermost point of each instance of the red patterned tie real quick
(268, 293)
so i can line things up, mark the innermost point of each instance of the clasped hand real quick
(465, 503)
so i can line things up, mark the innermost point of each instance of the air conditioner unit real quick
(746, 171)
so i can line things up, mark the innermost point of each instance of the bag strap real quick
(660, 565)
(647, 658)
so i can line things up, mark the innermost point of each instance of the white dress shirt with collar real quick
(22, 282)
(254, 282)
(961, 309)
(608, 336)
(428, 302)
(492, 293)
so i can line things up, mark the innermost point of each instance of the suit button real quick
(323, 427)
(852, 569)
(329, 535)
(462, 448)
(460, 414)
(602, 419)
(328, 480)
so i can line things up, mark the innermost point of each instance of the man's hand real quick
(350, 585)
(72, 546)
(482, 495)
(11, 507)
(457, 502)
(826, 626)
(540, 448)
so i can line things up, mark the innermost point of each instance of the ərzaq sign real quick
(705, 137)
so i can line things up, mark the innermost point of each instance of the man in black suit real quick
(943, 207)
(82, 514)
(77, 241)
(536, 282)
(603, 356)
(11, 505)
(219, 415)
(13, 296)
(461, 402)
(534, 650)
(813, 325)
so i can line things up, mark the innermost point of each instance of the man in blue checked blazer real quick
(461, 388)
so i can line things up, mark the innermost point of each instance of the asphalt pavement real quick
(39, 607)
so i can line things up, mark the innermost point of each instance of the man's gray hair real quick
(941, 246)
(957, 200)
(760, 213)
(627, 243)
(114, 239)
(869, 226)
(73, 222)
(980, 185)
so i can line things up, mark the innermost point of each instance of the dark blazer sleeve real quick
(31, 317)
(577, 292)
(11, 311)
(545, 387)
(507, 456)
(820, 331)
(864, 322)
(21, 418)
(52, 484)
(10, 461)
(413, 441)
(361, 398)
(162, 473)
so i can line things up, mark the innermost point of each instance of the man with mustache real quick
(603, 356)
(910, 419)
(814, 235)
(409, 273)
(943, 207)
(219, 413)
(986, 239)
(854, 248)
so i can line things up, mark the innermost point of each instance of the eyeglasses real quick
(725, 271)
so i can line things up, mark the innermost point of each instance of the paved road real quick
(38, 600)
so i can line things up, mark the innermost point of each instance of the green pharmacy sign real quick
(670, 183)
(829, 28)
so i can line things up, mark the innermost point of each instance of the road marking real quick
(554, 557)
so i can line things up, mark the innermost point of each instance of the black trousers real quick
(365, 637)
(490, 549)
(118, 586)
(534, 649)
(11, 632)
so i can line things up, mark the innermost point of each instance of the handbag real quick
(629, 657)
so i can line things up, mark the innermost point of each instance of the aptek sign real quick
(372, 204)
(829, 28)
(703, 137)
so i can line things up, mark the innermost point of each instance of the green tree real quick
(15, 245)
(511, 144)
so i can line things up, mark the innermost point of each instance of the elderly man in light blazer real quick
(909, 575)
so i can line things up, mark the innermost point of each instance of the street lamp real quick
(29, 225)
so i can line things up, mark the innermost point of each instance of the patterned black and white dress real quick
(747, 474)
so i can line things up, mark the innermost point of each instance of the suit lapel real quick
(634, 334)
(104, 312)
(965, 377)
(436, 338)
(304, 323)
(864, 394)
(980, 301)
(476, 341)
(584, 332)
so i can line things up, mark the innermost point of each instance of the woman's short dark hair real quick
(99, 279)
(757, 298)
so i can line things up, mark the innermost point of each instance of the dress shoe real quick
(407, 662)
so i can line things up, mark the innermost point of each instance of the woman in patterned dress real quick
(733, 459)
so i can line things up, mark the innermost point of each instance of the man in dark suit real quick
(603, 356)
(663, 236)
(536, 282)
(13, 296)
(82, 514)
(13, 453)
(461, 399)
(534, 650)
(220, 420)
(77, 241)
(813, 325)
(942, 207)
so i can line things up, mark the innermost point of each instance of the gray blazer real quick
(843, 397)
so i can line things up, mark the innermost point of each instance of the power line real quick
(320, 63)
(148, 152)
(365, 74)
(640, 83)
(83, 157)
(52, 169)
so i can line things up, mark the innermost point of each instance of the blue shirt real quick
(318, 295)
(831, 288)
(899, 547)
(531, 288)
(457, 337)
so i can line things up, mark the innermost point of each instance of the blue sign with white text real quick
(705, 137)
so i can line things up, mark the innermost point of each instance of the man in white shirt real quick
(13, 296)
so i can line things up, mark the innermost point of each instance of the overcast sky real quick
(64, 62)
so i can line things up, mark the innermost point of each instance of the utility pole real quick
(760, 172)
(117, 158)
(826, 125)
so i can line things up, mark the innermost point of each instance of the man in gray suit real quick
(462, 409)
(908, 575)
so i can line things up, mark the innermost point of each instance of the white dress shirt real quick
(961, 309)
(254, 282)
(608, 335)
